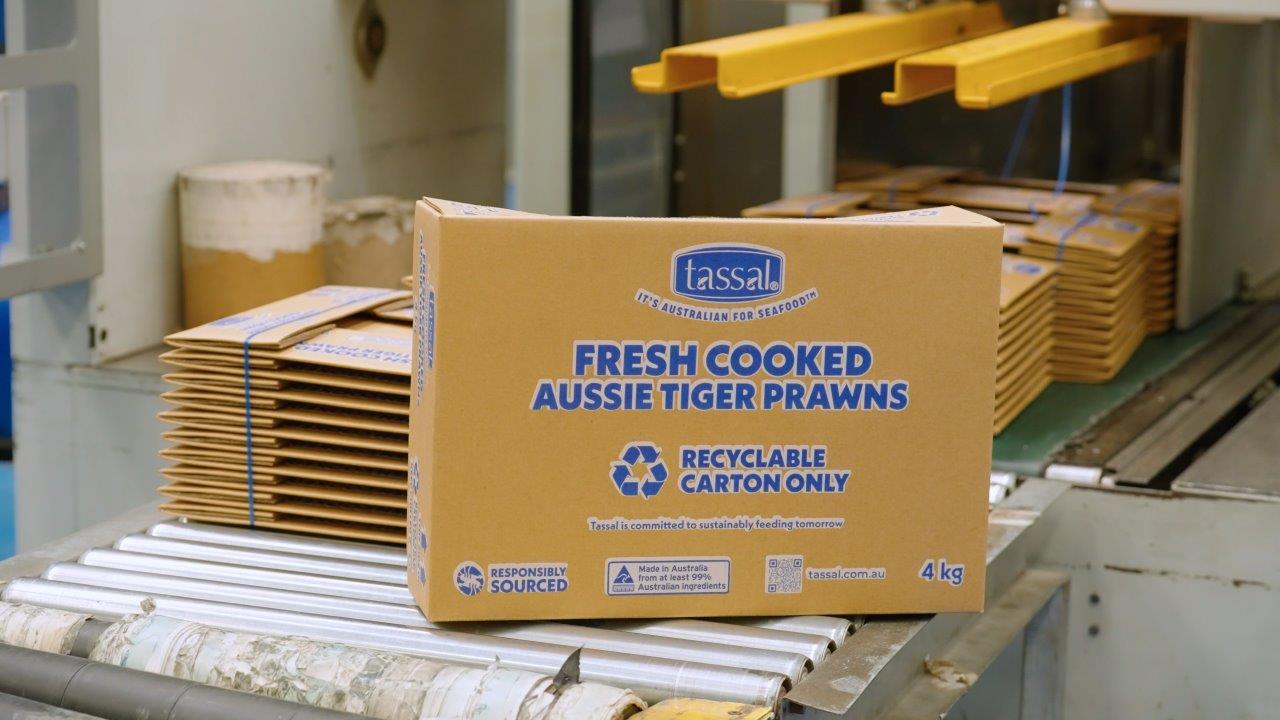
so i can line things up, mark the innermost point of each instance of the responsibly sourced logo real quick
(639, 470)
(511, 578)
(469, 578)
(727, 273)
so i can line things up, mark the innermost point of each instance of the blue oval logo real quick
(726, 273)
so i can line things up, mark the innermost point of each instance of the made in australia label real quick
(667, 576)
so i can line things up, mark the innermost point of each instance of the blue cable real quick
(1064, 161)
(1020, 136)
(1064, 147)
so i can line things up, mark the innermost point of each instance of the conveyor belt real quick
(350, 592)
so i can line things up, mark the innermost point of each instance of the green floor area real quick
(1065, 408)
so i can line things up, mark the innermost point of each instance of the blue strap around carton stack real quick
(808, 209)
(1138, 196)
(892, 191)
(1085, 219)
(248, 405)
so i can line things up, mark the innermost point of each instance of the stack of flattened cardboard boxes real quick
(1025, 339)
(1006, 203)
(1100, 314)
(1157, 204)
(294, 416)
(818, 205)
(901, 188)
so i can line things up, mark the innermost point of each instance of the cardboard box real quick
(691, 481)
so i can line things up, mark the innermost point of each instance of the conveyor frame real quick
(869, 672)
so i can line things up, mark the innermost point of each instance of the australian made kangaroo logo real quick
(724, 273)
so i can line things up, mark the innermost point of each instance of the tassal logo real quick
(726, 273)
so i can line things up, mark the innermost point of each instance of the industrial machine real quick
(1129, 571)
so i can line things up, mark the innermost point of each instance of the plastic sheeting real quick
(357, 680)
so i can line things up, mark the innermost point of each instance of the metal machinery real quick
(1130, 571)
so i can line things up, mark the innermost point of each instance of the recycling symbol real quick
(638, 471)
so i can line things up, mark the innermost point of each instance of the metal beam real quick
(998, 69)
(766, 60)
(948, 674)
(865, 677)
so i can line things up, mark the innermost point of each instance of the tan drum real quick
(251, 234)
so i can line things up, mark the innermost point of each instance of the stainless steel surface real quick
(1245, 463)
(1107, 436)
(803, 639)
(278, 542)
(263, 559)
(814, 647)
(251, 576)
(865, 676)
(1168, 439)
(184, 587)
(1008, 623)
(792, 665)
(837, 629)
(651, 678)
(34, 562)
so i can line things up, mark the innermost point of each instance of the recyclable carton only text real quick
(681, 417)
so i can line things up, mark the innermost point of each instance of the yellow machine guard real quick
(767, 60)
(998, 69)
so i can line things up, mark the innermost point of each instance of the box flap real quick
(284, 322)
(452, 208)
(946, 215)
(828, 204)
(1019, 275)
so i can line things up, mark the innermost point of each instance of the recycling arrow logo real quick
(639, 471)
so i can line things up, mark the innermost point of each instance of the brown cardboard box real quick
(850, 480)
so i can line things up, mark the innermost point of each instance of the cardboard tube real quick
(368, 241)
(251, 234)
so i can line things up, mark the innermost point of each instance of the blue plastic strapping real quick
(808, 210)
(1064, 145)
(1085, 219)
(1138, 195)
(1020, 136)
(248, 405)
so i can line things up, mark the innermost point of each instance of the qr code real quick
(783, 573)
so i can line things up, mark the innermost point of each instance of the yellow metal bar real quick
(691, 709)
(767, 60)
(998, 69)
